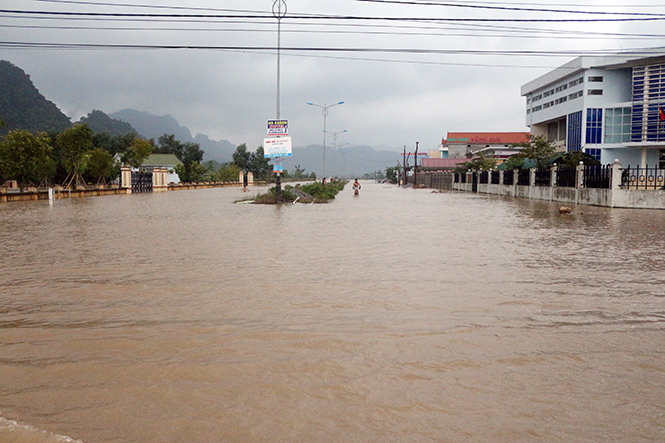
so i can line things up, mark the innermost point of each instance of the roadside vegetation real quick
(315, 192)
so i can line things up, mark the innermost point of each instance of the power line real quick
(528, 53)
(583, 35)
(327, 17)
(505, 8)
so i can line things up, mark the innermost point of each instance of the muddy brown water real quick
(399, 315)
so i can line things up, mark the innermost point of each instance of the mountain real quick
(348, 162)
(23, 107)
(153, 126)
(100, 122)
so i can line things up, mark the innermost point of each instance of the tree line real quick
(77, 156)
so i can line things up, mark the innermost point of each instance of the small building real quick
(464, 144)
(168, 161)
(610, 107)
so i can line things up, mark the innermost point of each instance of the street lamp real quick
(324, 111)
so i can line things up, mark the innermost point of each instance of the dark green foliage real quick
(323, 192)
(23, 107)
(102, 123)
(113, 144)
(242, 157)
(101, 166)
(24, 157)
(190, 154)
(537, 149)
(76, 144)
(253, 161)
(137, 153)
(477, 164)
(391, 174)
(270, 197)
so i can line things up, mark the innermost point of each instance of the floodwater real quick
(400, 315)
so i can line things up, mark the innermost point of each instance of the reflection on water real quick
(399, 315)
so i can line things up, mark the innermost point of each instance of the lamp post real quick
(324, 111)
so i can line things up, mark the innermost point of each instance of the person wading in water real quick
(356, 187)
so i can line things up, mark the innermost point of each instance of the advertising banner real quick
(277, 147)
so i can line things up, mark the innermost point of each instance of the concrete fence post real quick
(553, 173)
(615, 178)
(580, 176)
(532, 177)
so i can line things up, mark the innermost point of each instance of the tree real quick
(259, 164)
(391, 174)
(242, 157)
(480, 163)
(537, 149)
(101, 166)
(24, 157)
(137, 153)
(76, 144)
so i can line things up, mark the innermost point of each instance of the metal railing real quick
(597, 177)
(523, 177)
(643, 178)
(566, 177)
(543, 177)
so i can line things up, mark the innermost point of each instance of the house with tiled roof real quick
(464, 144)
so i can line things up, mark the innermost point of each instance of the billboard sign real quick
(278, 128)
(277, 147)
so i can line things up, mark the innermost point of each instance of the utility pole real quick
(415, 167)
(279, 12)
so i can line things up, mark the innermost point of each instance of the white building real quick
(612, 107)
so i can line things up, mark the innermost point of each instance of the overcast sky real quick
(392, 99)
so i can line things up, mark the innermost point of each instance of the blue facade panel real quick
(574, 131)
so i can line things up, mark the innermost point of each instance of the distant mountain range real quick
(22, 106)
(153, 126)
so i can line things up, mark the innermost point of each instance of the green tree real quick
(391, 174)
(76, 144)
(259, 164)
(101, 166)
(24, 157)
(137, 153)
(480, 163)
(242, 157)
(537, 149)
(228, 173)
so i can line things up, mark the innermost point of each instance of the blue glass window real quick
(594, 125)
(575, 131)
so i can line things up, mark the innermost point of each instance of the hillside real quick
(23, 107)
(102, 123)
(153, 126)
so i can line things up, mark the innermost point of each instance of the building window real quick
(595, 92)
(560, 100)
(593, 152)
(575, 95)
(617, 125)
(579, 81)
(598, 79)
(594, 125)
(575, 131)
(537, 97)
(661, 163)
(561, 88)
(537, 108)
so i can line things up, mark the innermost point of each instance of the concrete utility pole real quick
(279, 12)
